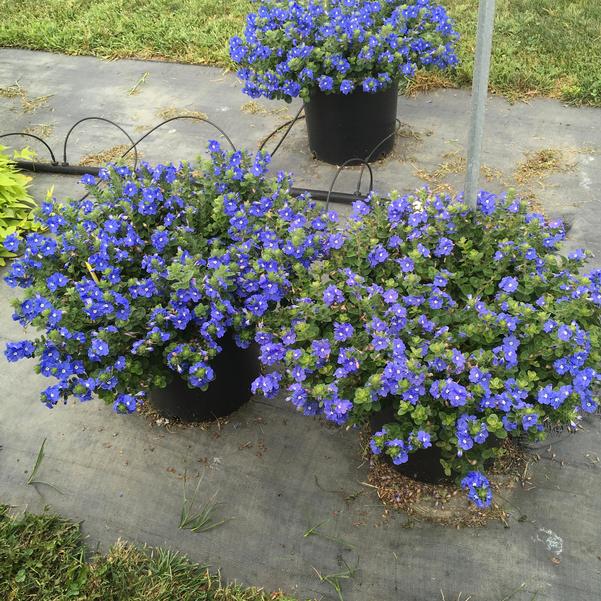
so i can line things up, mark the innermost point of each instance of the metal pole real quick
(486, 17)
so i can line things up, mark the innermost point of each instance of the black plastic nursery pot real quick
(235, 369)
(359, 125)
(424, 464)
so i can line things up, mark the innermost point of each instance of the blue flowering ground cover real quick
(470, 324)
(138, 282)
(289, 49)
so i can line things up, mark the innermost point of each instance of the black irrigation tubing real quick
(96, 170)
(65, 162)
(345, 164)
(38, 167)
(290, 125)
(371, 154)
(66, 168)
(322, 195)
(20, 133)
(134, 144)
(318, 194)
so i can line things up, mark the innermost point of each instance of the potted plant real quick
(448, 329)
(345, 59)
(153, 284)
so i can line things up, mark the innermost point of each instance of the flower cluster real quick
(142, 279)
(478, 489)
(291, 48)
(467, 323)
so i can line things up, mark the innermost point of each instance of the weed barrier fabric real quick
(292, 490)
(291, 486)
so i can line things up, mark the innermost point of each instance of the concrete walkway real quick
(279, 473)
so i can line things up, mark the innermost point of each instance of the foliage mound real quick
(468, 326)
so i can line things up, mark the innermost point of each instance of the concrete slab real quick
(279, 473)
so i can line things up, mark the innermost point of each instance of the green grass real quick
(540, 47)
(190, 31)
(546, 47)
(43, 558)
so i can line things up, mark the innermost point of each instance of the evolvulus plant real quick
(455, 327)
(140, 281)
(290, 48)
(465, 326)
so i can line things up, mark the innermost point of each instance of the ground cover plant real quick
(43, 557)
(291, 49)
(532, 54)
(468, 326)
(16, 205)
(140, 280)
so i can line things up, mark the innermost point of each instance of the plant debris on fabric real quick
(541, 163)
(28, 104)
(170, 112)
(109, 155)
(446, 504)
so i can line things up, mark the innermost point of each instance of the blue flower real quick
(529, 420)
(52, 395)
(268, 384)
(577, 255)
(370, 84)
(455, 393)
(390, 296)
(584, 378)
(346, 86)
(444, 247)
(12, 243)
(332, 295)
(200, 374)
(487, 203)
(160, 240)
(272, 353)
(377, 255)
(257, 304)
(406, 264)
(15, 351)
(476, 375)
(397, 449)
(424, 439)
(508, 284)
(54, 317)
(478, 489)
(343, 331)
(325, 83)
(98, 349)
(55, 281)
(321, 348)
(130, 189)
(424, 251)
(435, 302)
(125, 403)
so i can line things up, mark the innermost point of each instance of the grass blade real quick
(38, 462)
(201, 520)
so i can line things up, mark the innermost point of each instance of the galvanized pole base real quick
(486, 17)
